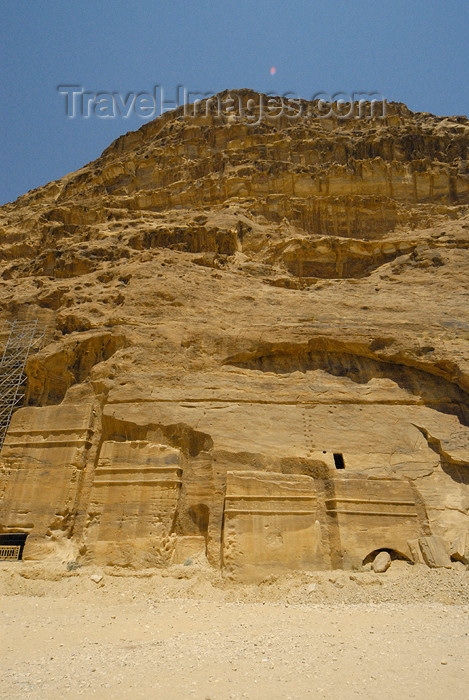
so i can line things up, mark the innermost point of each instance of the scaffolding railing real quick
(24, 338)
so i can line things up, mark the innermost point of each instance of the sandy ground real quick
(189, 634)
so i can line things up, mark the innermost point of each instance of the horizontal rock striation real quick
(257, 346)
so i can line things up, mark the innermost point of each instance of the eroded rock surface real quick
(257, 345)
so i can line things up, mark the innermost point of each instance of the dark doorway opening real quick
(12, 545)
(339, 460)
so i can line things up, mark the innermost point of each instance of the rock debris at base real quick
(156, 635)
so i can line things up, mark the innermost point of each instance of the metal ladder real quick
(24, 337)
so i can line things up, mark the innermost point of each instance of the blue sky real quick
(409, 51)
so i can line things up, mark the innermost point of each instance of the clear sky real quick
(412, 51)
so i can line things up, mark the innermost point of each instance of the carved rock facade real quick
(257, 348)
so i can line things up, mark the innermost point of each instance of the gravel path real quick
(126, 638)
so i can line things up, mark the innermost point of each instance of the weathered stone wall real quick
(246, 317)
(328, 472)
(272, 521)
(44, 465)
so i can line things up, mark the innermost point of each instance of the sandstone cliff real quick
(257, 344)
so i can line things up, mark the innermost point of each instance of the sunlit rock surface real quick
(257, 345)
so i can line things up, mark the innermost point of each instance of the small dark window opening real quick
(339, 460)
(12, 545)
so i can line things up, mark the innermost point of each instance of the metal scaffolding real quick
(24, 337)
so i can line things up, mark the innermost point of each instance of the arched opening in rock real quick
(393, 553)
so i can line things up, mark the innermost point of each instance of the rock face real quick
(434, 552)
(258, 345)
